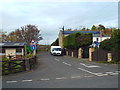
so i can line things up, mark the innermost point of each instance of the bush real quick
(112, 44)
(76, 40)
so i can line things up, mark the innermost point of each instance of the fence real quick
(73, 53)
(101, 55)
(14, 66)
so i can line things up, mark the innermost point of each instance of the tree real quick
(25, 34)
(101, 27)
(77, 40)
(93, 28)
(55, 43)
(112, 44)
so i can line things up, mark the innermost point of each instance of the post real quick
(80, 53)
(27, 64)
(67, 53)
(34, 52)
(109, 56)
(90, 53)
(72, 54)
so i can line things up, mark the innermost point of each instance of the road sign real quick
(33, 42)
(33, 47)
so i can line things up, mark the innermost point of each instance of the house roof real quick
(9, 44)
(70, 32)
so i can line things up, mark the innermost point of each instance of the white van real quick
(56, 50)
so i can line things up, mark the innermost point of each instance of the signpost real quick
(33, 46)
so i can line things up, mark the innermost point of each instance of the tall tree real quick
(25, 34)
(55, 43)
(93, 28)
(101, 27)
(28, 33)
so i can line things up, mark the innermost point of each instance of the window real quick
(18, 49)
(97, 39)
(3, 50)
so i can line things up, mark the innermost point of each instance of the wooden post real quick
(27, 64)
(80, 53)
(90, 53)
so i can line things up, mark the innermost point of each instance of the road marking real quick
(57, 59)
(45, 79)
(113, 73)
(92, 66)
(86, 71)
(26, 80)
(61, 78)
(88, 76)
(75, 76)
(109, 72)
(11, 81)
(66, 63)
(117, 71)
(100, 74)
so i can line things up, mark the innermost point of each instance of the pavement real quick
(64, 72)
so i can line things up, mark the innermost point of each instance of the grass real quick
(110, 62)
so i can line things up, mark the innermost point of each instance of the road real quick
(64, 72)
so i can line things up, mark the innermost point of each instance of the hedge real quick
(76, 40)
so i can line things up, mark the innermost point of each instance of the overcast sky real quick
(51, 16)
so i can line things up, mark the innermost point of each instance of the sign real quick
(33, 47)
(33, 42)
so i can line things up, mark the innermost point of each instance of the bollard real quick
(90, 53)
(109, 55)
(72, 54)
(80, 53)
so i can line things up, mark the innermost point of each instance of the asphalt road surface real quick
(64, 72)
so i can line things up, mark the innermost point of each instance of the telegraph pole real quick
(63, 31)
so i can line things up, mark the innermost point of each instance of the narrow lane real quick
(60, 71)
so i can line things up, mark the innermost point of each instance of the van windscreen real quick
(57, 49)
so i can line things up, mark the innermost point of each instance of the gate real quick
(85, 53)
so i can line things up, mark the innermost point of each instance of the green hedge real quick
(76, 40)
(112, 44)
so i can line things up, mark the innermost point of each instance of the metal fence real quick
(15, 66)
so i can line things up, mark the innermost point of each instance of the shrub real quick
(76, 40)
(112, 44)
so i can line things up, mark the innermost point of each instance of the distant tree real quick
(101, 27)
(68, 29)
(112, 44)
(25, 34)
(93, 28)
(55, 43)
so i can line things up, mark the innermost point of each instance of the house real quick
(97, 36)
(12, 49)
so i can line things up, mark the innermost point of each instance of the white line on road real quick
(11, 81)
(100, 74)
(113, 73)
(88, 76)
(75, 76)
(89, 65)
(26, 80)
(117, 71)
(109, 72)
(57, 59)
(61, 78)
(45, 79)
(86, 71)
(66, 63)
